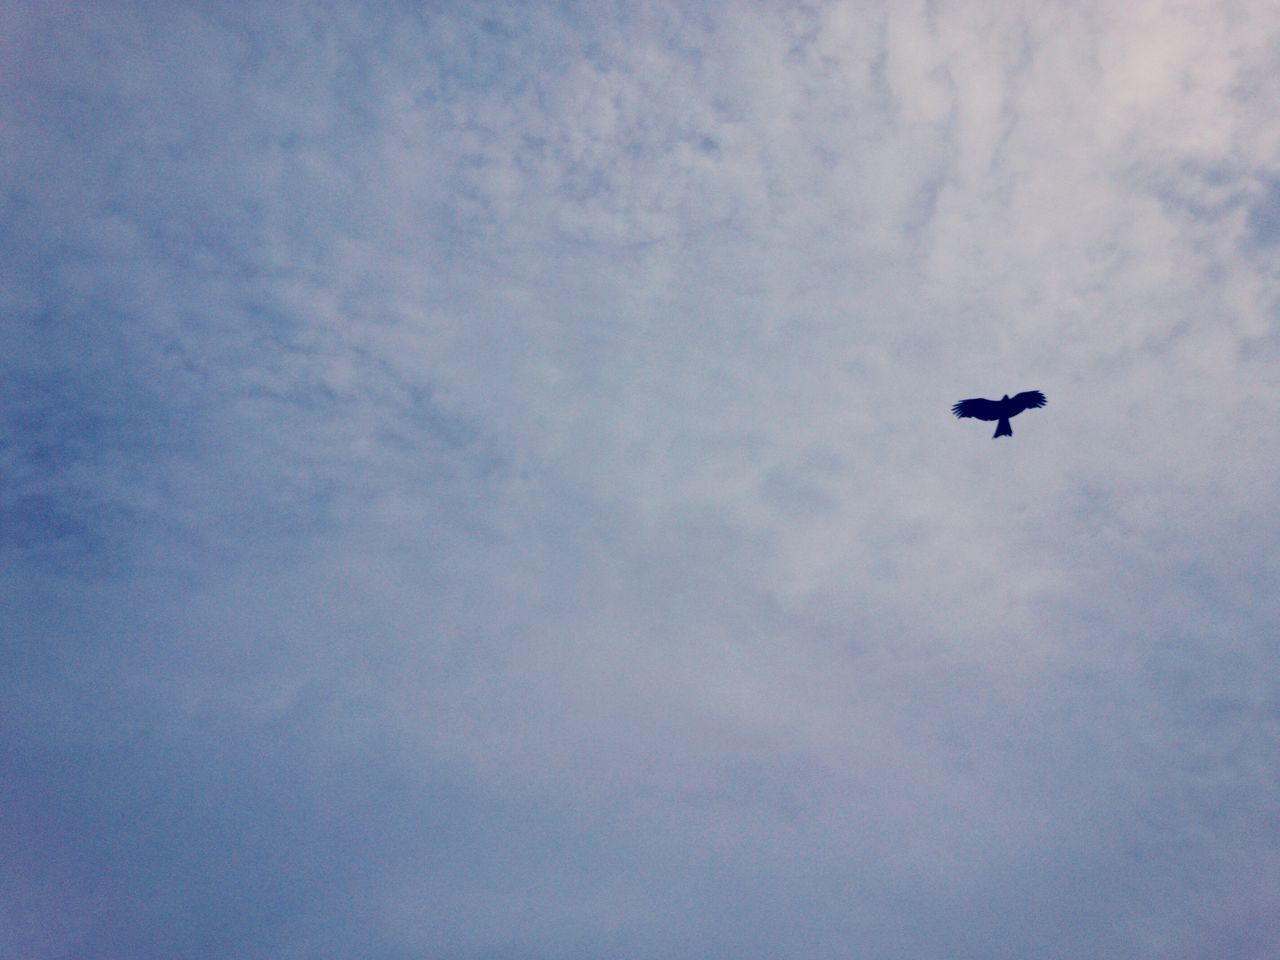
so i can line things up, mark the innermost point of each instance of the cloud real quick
(479, 481)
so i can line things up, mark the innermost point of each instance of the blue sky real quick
(478, 480)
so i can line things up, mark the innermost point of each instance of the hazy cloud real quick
(478, 480)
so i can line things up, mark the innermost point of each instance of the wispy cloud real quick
(478, 481)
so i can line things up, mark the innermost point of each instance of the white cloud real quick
(503, 453)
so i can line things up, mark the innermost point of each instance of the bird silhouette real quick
(1001, 410)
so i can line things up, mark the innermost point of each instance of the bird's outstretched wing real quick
(979, 408)
(1028, 400)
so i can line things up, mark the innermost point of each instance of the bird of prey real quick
(1000, 410)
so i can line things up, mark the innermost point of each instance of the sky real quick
(477, 480)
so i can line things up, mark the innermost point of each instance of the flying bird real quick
(1000, 410)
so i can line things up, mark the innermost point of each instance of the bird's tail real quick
(1003, 429)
